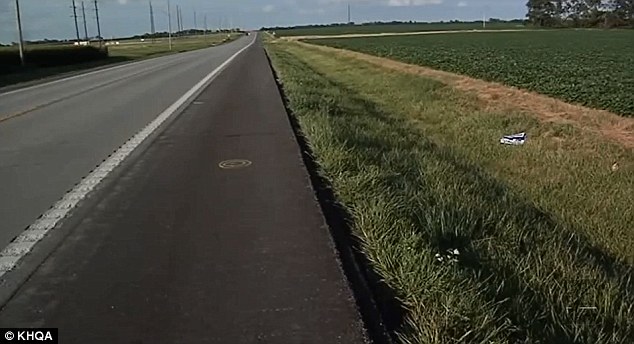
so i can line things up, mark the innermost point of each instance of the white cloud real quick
(413, 2)
(394, 3)
(318, 11)
(268, 8)
(462, 4)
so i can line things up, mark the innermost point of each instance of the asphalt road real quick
(54, 134)
(173, 248)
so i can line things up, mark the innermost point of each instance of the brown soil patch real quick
(496, 96)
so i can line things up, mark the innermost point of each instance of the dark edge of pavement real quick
(12, 280)
(380, 311)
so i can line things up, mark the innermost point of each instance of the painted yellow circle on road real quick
(234, 164)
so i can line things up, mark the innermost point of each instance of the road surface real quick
(57, 133)
(175, 246)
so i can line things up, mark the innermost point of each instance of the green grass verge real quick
(543, 230)
(588, 67)
(125, 52)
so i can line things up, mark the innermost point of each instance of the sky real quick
(52, 18)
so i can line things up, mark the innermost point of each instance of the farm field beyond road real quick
(592, 68)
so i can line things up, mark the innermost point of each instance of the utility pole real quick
(169, 23)
(75, 17)
(178, 20)
(180, 15)
(97, 17)
(195, 24)
(83, 11)
(205, 24)
(349, 21)
(19, 24)
(152, 28)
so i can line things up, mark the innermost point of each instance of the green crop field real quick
(592, 68)
(382, 28)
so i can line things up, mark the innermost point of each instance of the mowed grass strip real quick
(587, 67)
(534, 241)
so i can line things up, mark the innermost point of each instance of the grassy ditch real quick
(481, 243)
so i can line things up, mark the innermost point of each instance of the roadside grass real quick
(534, 242)
(118, 54)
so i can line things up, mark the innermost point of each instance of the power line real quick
(83, 11)
(75, 17)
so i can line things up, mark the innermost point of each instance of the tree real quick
(581, 13)
(542, 12)
(623, 10)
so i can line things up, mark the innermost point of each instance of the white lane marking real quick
(88, 74)
(25, 242)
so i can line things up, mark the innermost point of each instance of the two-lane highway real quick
(52, 135)
(181, 244)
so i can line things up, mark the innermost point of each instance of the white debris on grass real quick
(515, 139)
(450, 256)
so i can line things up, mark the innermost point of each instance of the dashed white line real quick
(24, 243)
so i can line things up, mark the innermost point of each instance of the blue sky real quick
(51, 18)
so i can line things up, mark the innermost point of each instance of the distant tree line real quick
(581, 13)
(375, 23)
(189, 32)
